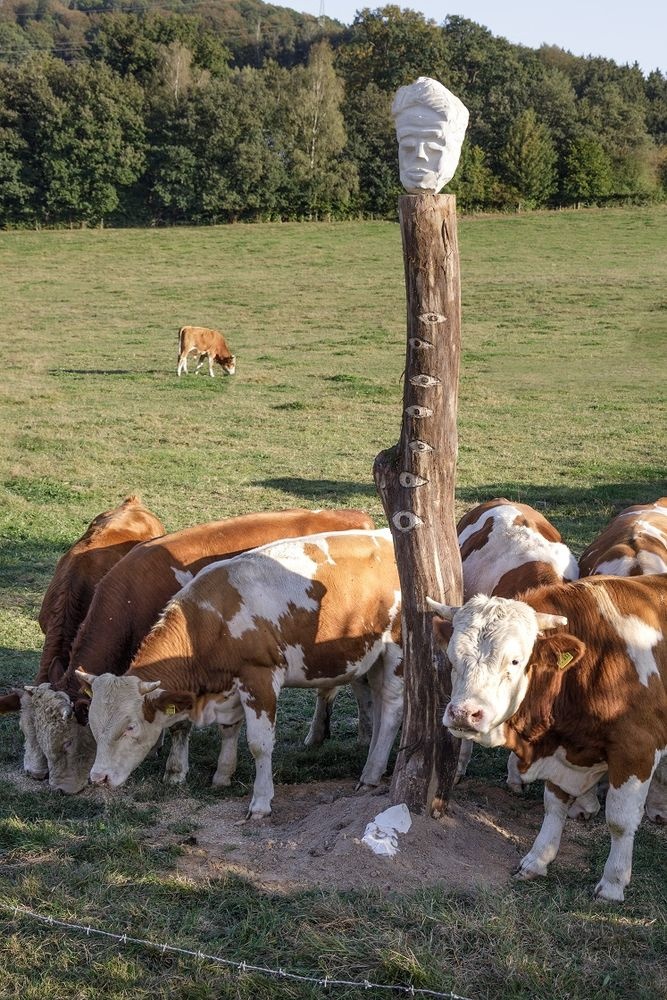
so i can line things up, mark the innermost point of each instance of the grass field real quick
(562, 405)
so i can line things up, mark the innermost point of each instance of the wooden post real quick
(415, 480)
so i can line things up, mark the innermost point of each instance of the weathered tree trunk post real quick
(415, 480)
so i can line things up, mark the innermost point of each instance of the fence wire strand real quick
(240, 967)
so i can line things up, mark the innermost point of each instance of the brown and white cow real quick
(106, 540)
(633, 544)
(573, 679)
(506, 549)
(126, 605)
(207, 344)
(313, 612)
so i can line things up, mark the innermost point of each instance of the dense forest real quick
(208, 111)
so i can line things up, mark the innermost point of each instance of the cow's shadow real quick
(107, 371)
(314, 490)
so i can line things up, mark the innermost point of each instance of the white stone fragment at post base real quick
(381, 834)
(431, 124)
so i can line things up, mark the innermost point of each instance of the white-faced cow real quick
(126, 605)
(506, 549)
(207, 344)
(312, 612)
(573, 679)
(633, 544)
(109, 537)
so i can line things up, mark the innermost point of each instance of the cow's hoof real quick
(221, 780)
(607, 892)
(529, 869)
(255, 814)
(174, 777)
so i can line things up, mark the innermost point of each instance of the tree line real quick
(214, 112)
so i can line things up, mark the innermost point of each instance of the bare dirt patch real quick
(313, 839)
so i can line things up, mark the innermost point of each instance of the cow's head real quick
(126, 717)
(228, 363)
(495, 646)
(62, 736)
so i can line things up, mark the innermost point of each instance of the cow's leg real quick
(34, 761)
(656, 800)
(226, 768)
(465, 753)
(182, 364)
(585, 806)
(259, 698)
(387, 691)
(514, 781)
(210, 365)
(624, 809)
(200, 363)
(178, 762)
(547, 842)
(362, 692)
(320, 724)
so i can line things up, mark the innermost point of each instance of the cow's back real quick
(310, 604)
(107, 540)
(132, 595)
(632, 544)
(509, 547)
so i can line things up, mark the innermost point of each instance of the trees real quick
(79, 131)
(588, 171)
(529, 161)
(325, 178)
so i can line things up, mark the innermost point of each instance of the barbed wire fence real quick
(241, 968)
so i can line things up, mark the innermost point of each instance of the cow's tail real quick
(180, 342)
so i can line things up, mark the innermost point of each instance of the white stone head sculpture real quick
(431, 124)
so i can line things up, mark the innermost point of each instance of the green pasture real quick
(562, 405)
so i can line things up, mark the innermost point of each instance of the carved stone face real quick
(430, 127)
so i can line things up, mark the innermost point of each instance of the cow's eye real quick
(515, 663)
(67, 744)
(130, 728)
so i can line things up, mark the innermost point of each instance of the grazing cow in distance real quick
(207, 344)
(312, 612)
(634, 543)
(128, 602)
(506, 549)
(109, 537)
(573, 679)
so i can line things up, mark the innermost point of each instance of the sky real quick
(626, 32)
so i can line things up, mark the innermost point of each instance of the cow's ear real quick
(563, 650)
(10, 702)
(56, 671)
(168, 702)
(442, 631)
(81, 706)
(86, 681)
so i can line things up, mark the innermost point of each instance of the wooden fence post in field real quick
(416, 478)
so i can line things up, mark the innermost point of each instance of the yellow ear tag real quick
(171, 709)
(88, 691)
(564, 659)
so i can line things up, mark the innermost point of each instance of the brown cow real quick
(108, 538)
(207, 344)
(633, 544)
(307, 612)
(506, 549)
(127, 604)
(573, 679)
